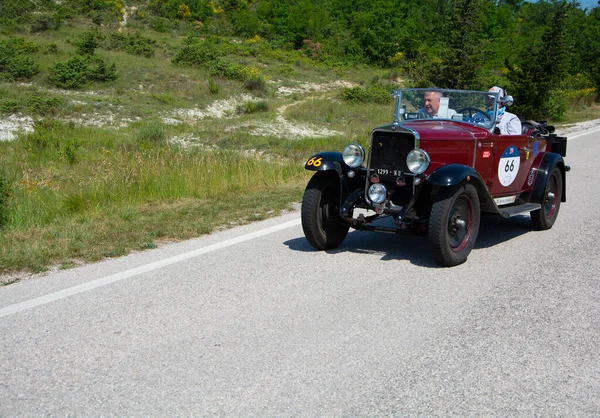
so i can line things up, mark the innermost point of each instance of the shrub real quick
(98, 70)
(252, 107)
(15, 62)
(70, 150)
(88, 42)
(135, 44)
(43, 105)
(43, 136)
(80, 70)
(196, 53)
(213, 87)
(45, 21)
(9, 106)
(70, 74)
(373, 94)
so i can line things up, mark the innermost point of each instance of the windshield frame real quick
(400, 111)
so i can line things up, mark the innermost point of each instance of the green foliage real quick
(253, 107)
(14, 11)
(81, 70)
(372, 94)
(43, 137)
(37, 104)
(70, 150)
(135, 44)
(5, 193)
(536, 79)
(70, 74)
(196, 53)
(15, 59)
(88, 42)
(153, 133)
(99, 11)
(45, 21)
(213, 87)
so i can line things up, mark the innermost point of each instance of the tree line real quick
(545, 53)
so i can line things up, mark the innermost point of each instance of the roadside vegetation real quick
(143, 122)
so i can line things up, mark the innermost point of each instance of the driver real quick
(509, 123)
(432, 104)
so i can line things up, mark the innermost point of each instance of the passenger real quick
(509, 123)
(432, 105)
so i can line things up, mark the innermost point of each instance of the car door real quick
(512, 161)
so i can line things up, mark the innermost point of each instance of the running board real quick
(519, 209)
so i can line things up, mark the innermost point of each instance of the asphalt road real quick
(253, 322)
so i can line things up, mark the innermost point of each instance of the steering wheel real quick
(471, 111)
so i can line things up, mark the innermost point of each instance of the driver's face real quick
(489, 102)
(432, 103)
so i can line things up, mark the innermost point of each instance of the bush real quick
(373, 94)
(135, 44)
(213, 87)
(196, 53)
(15, 62)
(43, 105)
(88, 42)
(252, 107)
(70, 74)
(80, 70)
(43, 136)
(45, 21)
(98, 70)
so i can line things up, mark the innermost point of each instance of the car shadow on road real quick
(492, 231)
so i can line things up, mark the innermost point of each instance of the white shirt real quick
(509, 124)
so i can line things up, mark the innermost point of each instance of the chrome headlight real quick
(353, 155)
(418, 161)
(377, 193)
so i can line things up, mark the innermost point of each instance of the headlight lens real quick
(353, 155)
(377, 193)
(418, 161)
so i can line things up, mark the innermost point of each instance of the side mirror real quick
(507, 100)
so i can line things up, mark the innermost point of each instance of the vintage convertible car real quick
(437, 175)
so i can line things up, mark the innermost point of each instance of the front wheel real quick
(544, 218)
(454, 225)
(321, 222)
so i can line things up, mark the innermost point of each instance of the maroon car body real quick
(437, 176)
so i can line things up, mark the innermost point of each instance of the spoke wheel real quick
(322, 225)
(454, 225)
(545, 217)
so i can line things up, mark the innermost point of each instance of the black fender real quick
(453, 174)
(334, 162)
(549, 161)
(328, 160)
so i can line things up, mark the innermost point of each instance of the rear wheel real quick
(544, 218)
(322, 225)
(454, 225)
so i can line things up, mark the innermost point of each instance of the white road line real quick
(71, 291)
(582, 134)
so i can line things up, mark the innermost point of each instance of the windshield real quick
(473, 107)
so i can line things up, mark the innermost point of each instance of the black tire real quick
(322, 225)
(545, 217)
(454, 225)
